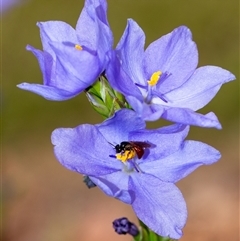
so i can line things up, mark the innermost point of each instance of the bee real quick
(129, 149)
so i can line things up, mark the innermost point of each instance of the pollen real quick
(78, 47)
(154, 78)
(126, 155)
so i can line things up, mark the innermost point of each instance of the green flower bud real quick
(104, 99)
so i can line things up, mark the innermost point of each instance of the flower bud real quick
(124, 226)
(105, 100)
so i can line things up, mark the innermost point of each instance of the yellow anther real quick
(78, 47)
(125, 156)
(154, 78)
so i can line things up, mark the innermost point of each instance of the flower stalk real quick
(147, 234)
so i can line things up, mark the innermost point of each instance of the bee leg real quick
(137, 168)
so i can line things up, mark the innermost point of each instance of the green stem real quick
(147, 234)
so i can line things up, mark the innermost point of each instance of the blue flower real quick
(163, 81)
(146, 183)
(72, 59)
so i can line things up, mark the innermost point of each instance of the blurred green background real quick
(44, 201)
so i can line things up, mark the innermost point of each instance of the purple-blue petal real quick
(48, 92)
(164, 141)
(117, 128)
(105, 42)
(87, 27)
(175, 53)
(56, 31)
(93, 29)
(200, 88)
(118, 78)
(149, 112)
(181, 163)
(159, 205)
(83, 149)
(45, 62)
(115, 185)
(75, 69)
(130, 49)
(189, 117)
(109, 184)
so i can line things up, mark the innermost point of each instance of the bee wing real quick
(139, 151)
(141, 144)
(139, 147)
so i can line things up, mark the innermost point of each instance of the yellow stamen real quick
(78, 47)
(154, 78)
(128, 154)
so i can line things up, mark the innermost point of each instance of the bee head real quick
(118, 148)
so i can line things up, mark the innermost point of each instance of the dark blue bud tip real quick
(124, 226)
(88, 182)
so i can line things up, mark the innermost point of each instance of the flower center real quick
(128, 151)
(130, 167)
(153, 86)
(154, 78)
